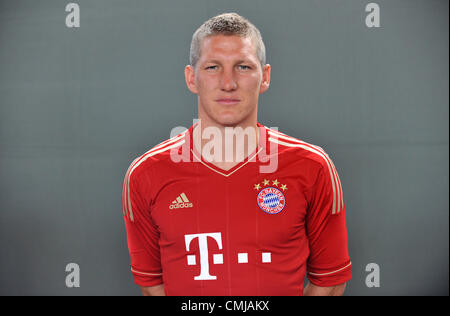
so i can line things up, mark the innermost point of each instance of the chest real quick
(247, 207)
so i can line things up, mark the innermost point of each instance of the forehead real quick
(226, 47)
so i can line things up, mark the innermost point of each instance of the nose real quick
(228, 82)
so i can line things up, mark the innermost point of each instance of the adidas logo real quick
(181, 202)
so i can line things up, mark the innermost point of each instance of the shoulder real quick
(298, 149)
(159, 153)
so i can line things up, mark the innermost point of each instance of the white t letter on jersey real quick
(203, 247)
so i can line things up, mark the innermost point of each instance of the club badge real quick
(270, 199)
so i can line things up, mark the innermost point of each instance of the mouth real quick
(228, 101)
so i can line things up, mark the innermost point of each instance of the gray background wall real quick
(78, 104)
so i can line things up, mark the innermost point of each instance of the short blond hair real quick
(227, 24)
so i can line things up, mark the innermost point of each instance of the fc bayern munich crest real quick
(271, 200)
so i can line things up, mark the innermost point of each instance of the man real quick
(204, 225)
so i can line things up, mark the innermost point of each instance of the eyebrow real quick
(240, 61)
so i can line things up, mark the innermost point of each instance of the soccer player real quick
(254, 224)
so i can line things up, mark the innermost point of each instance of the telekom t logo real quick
(203, 247)
(242, 257)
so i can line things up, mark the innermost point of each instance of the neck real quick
(225, 145)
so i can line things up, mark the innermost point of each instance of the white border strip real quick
(332, 271)
(144, 273)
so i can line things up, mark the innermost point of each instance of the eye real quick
(244, 67)
(211, 67)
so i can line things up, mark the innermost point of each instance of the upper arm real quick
(329, 262)
(142, 234)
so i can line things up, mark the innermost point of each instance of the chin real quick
(229, 122)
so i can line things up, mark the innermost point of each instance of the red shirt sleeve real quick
(142, 235)
(329, 262)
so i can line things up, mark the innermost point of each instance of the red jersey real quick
(255, 229)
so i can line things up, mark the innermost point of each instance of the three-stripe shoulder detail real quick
(285, 140)
(173, 142)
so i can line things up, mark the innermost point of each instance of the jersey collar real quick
(254, 157)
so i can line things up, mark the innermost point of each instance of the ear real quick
(189, 75)
(265, 79)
